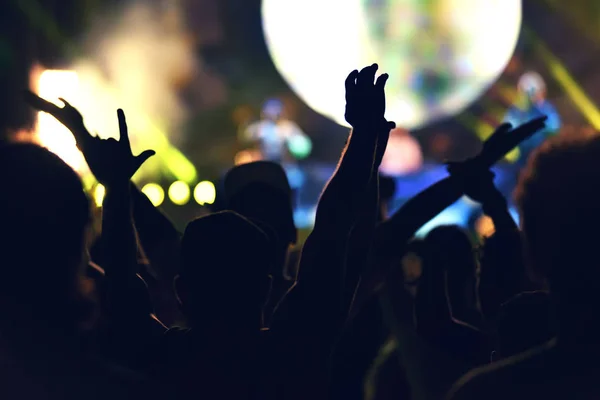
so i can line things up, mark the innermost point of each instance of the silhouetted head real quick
(524, 322)
(44, 215)
(449, 248)
(224, 278)
(260, 191)
(558, 196)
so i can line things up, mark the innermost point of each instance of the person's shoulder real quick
(496, 380)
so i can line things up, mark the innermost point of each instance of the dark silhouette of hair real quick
(44, 214)
(265, 203)
(558, 196)
(261, 191)
(225, 267)
(450, 253)
(503, 272)
(524, 322)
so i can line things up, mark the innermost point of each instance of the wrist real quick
(378, 124)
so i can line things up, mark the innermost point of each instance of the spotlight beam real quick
(566, 81)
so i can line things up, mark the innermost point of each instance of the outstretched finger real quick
(381, 80)
(351, 83)
(534, 124)
(123, 131)
(500, 131)
(366, 76)
(528, 129)
(503, 128)
(40, 104)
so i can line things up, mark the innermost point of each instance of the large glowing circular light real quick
(441, 54)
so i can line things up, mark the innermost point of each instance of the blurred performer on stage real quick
(279, 140)
(532, 103)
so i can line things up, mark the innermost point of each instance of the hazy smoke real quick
(137, 59)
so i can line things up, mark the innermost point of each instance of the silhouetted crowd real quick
(235, 308)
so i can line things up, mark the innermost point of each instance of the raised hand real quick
(505, 138)
(365, 99)
(67, 115)
(478, 184)
(112, 161)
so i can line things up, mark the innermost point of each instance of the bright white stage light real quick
(441, 55)
(52, 134)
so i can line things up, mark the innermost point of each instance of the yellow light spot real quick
(205, 193)
(562, 76)
(155, 193)
(99, 192)
(179, 193)
(513, 155)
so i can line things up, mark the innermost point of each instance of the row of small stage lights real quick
(179, 193)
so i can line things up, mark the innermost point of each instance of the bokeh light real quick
(403, 154)
(484, 226)
(179, 193)
(155, 193)
(86, 89)
(205, 193)
(246, 157)
(441, 54)
(299, 146)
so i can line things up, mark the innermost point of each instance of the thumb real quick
(142, 158)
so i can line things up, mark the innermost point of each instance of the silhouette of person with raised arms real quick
(558, 199)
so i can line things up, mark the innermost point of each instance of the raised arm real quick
(117, 220)
(113, 165)
(395, 232)
(316, 308)
(503, 272)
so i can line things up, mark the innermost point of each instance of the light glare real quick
(155, 193)
(179, 193)
(441, 55)
(205, 193)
